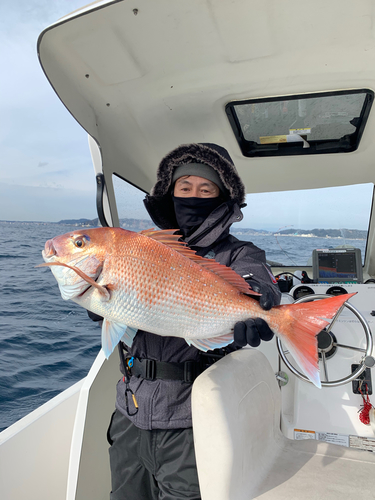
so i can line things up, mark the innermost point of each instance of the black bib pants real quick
(151, 465)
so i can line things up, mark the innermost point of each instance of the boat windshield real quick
(288, 225)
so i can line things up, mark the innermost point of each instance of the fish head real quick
(73, 246)
(84, 250)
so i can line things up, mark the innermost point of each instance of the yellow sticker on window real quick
(272, 139)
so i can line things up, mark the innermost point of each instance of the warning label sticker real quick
(362, 443)
(356, 442)
(333, 438)
(300, 131)
(300, 434)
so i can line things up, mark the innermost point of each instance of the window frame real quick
(346, 144)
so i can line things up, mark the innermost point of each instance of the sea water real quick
(47, 344)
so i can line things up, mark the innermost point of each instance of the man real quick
(152, 456)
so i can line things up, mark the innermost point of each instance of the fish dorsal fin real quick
(172, 240)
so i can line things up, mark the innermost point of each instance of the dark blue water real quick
(295, 250)
(47, 344)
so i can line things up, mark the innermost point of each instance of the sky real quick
(329, 208)
(44, 152)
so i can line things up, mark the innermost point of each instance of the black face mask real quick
(192, 212)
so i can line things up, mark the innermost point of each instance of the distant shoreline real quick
(26, 222)
(298, 236)
(314, 236)
(139, 224)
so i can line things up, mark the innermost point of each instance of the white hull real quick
(59, 451)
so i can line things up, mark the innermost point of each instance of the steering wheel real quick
(327, 344)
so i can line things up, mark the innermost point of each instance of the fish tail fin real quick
(299, 325)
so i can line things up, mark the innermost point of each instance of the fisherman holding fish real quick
(198, 190)
(175, 301)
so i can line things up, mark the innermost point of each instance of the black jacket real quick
(165, 404)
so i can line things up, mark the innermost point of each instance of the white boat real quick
(287, 88)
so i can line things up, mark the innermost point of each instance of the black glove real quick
(94, 317)
(266, 300)
(251, 332)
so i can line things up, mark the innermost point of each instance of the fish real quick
(154, 282)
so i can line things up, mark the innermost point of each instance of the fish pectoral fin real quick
(112, 333)
(211, 343)
(129, 335)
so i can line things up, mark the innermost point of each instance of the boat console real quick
(345, 350)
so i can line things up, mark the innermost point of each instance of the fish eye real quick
(79, 243)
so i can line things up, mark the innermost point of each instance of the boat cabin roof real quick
(143, 78)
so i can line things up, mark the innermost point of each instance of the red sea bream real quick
(153, 282)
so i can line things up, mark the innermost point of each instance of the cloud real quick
(49, 204)
(329, 208)
(34, 122)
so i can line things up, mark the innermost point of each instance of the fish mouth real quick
(49, 253)
(52, 258)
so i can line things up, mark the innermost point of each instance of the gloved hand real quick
(251, 332)
(266, 300)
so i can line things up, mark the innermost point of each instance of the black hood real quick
(159, 203)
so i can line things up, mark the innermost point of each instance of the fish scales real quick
(176, 295)
(153, 282)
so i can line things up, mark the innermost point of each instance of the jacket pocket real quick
(109, 439)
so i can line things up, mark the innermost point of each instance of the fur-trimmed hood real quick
(159, 203)
(212, 155)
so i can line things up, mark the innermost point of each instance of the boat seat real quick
(241, 452)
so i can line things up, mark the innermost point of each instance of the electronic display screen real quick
(337, 266)
(333, 265)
